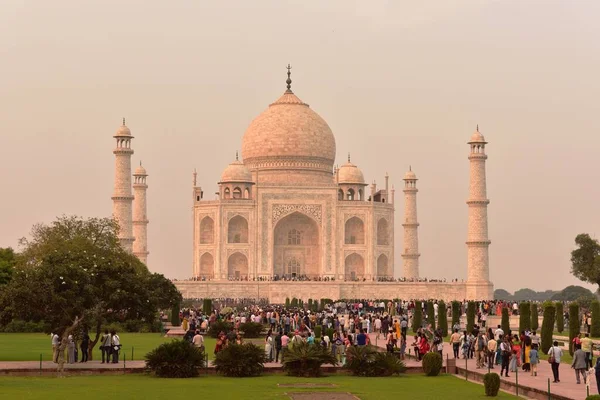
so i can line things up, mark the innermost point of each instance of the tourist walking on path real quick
(85, 344)
(269, 346)
(586, 347)
(278, 345)
(506, 352)
(105, 346)
(555, 354)
(534, 359)
(579, 364)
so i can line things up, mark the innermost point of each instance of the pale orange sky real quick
(399, 82)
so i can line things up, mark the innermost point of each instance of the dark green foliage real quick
(329, 332)
(501, 294)
(442, 318)
(287, 302)
(573, 324)
(430, 315)
(175, 315)
(548, 326)
(175, 359)
(593, 397)
(534, 317)
(251, 329)
(207, 306)
(303, 359)
(432, 363)
(505, 320)
(455, 313)
(318, 331)
(368, 361)
(572, 293)
(7, 263)
(417, 317)
(240, 360)
(310, 304)
(524, 316)
(219, 326)
(315, 306)
(18, 326)
(471, 309)
(560, 317)
(595, 329)
(491, 382)
(294, 302)
(585, 260)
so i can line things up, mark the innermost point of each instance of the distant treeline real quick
(570, 293)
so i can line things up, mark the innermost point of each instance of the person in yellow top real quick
(455, 341)
(586, 346)
(397, 329)
(492, 346)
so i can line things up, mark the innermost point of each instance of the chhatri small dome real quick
(289, 134)
(477, 137)
(123, 130)
(236, 172)
(350, 174)
(140, 170)
(410, 175)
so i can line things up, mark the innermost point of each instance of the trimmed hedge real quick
(240, 360)
(287, 302)
(175, 359)
(417, 317)
(432, 363)
(251, 329)
(471, 309)
(430, 315)
(505, 320)
(534, 317)
(560, 317)
(491, 382)
(548, 326)
(573, 324)
(442, 318)
(175, 315)
(455, 313)
(368, 361)
(524, 316)
(207, 306)
(595, 328)
(219, 326)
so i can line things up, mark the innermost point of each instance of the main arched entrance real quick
(296, 249)
(237, 266)
(354, 267)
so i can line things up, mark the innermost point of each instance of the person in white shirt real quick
(116, 346)
(198, 340)
(55, 346)
(499, 332)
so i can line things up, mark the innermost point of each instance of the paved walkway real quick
(567, 386)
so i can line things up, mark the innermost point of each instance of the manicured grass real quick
(29, 346)
(213, 387)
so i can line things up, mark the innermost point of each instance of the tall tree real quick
(574, 324)
(548, 326)
(585, 260)
(471, 310)
(417, 317)
(560, 316)
(443, 318)
(431, 315)
(7, 263)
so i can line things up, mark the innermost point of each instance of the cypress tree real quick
(175, 315)
(431, 315)
(442, 318)
(573, 324)
(534, 317)
(560, 317)
(548, 326)
(294, 302)
(207, 307)
(287, 302)
(505, 320)
(471, 308)
(595, 328)
(524, 316)
(455, 313)
(417, 317)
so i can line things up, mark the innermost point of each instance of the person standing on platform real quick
(555, 354)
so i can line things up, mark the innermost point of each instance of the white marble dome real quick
(123, 130)
(140, 170)
(350, 174)
(236, 172)
(477, 137)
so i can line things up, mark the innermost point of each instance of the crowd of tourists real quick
(79, 349)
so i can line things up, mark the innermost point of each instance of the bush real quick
(471, 309)
(548, 326)
(442, 318)
(595, 328)
(240, 360)
(505, 320)
(19, 326)
(573, 324)
(175, 315)
(175, 359)
(251, 329)
(534, 317)
(367, 361)
(417, 317)
(455, 313)
(432, 363)
(318, 331)
(524, 316)
(303, 359)
(593, 397)
(219, 326)
(560, 317)
(491, 381)
(430, 315)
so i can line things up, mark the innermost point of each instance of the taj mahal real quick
(288, 222)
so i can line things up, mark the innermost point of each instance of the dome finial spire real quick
(123, 121)
(348, 156)
(289, 80)
(410, 167)
(477, 127)
(236, 156)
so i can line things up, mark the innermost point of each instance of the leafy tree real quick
(560, 317)
(430, 315)
(417, 317)
(443, 318)
(505, 321)
(82, 278)
(571, 293)
(595, 328)
(501, 294)
(534, 317)
(455, 313)
(7, 263)
(585, 260)
(524, 316)
(573, 324)
(471, 309)
(548, 326)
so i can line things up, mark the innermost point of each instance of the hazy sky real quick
(399, 82)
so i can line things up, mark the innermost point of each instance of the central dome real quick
(289, 135)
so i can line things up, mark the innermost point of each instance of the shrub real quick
(432, 363)
(175, 359)
(219, 326)
(573, 324)
(318, 331)
(239, 360)
(303, 359)
(505, 320)
(560, 317)
(491, 381)
(175, 315)
(417, 317)
(442, 318)
(548, 326)
(20, 326)
(251, 329)
(455, 313)
(524, 316)
(595, 328)
(534, 317)
(593, 397)
(367, 361)
(471, 308)
(430, 315)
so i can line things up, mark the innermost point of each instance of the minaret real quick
(122, 197)
(410, 256)
(140, 219)
(478, 272)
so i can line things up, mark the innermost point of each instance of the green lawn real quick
(29, 346)
(213, 387)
